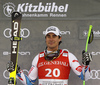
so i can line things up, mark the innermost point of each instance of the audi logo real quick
(95, 74)
(24, 33)
(6, 73)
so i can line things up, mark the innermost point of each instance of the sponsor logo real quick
(95, 53)
(6, 73)
(53, 63)
(51, 29)
(96, 33)
(42, 55)
(48, 7)
(53, 82)
(39, 10)
(95, 74)
(65, 32)
(8, 8)
(62, 32)
(24, 33)
(15, 33)
(20, 53)
(83, 32)
(65, 54)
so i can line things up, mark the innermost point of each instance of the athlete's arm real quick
(77, 68)
(32, 75)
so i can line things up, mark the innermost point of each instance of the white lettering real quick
(65, 32)
(62, 32)
(61, 8)
(30, 8)
(95, 53)
(58, 72)
(14, 49)
(96, 32)
(54, 8)
(35, 9)
(41, 7)
(15, 28)
(55, 72)
(66, 8)
(14, 43)
(53, 63)
(35, 15)
(48, 7)
(24, 53)
(20, 53)
(20, 7)
(26, 7)
(57, 15)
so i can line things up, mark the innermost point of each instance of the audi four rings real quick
(7, 33)
(95, 74)
(6, 73)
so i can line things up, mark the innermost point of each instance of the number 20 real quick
(54, 72)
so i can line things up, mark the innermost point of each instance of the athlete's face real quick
(52, 41)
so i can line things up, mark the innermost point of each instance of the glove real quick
(86, 58)
(10, 67)
(18, 69)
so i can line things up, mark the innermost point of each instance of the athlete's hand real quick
(86, 58)
(10, 66)
(18, 69)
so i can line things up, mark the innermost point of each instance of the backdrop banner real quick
(55, 9)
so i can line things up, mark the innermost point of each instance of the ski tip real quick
(16, 15)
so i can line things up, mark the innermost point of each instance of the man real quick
(52, 66)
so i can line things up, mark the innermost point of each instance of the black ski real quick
(16, 21)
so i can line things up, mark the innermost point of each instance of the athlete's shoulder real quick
(67, 51)
(36, 58)
(64, 51)
(41, 54)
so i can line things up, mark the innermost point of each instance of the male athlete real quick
(52, 66)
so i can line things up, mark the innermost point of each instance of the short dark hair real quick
(60, 41)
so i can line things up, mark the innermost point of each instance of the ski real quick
(15, 38)
(89, 40)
